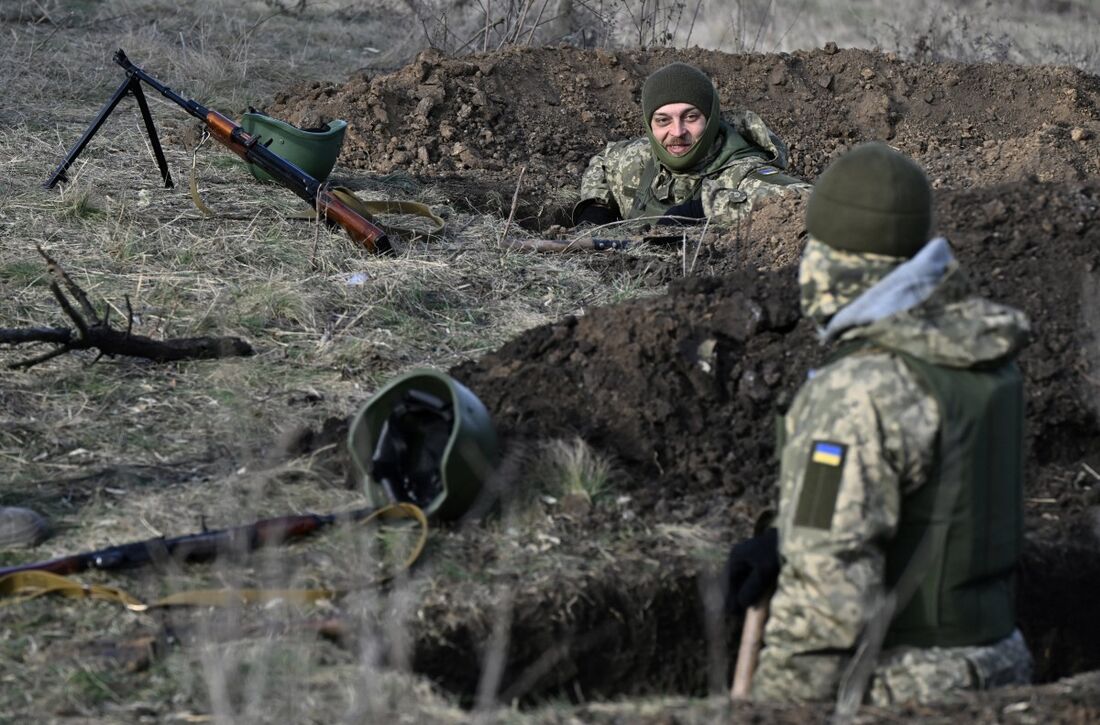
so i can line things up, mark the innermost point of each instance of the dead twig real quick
(93, 331)
(62, 277)
(512, 211)
(698, 246)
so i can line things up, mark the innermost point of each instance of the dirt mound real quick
(682, 388)
(684, 385)
(551, 109)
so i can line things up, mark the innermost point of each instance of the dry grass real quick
(571, 468)
(121, 449)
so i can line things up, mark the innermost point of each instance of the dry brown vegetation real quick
(123, 449)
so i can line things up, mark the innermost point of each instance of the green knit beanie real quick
(681, 83)
(872, 200)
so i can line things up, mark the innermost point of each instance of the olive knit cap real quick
(872, 200)
(677, 83)
(681, 83)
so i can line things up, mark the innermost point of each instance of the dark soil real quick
(481, 117)
(682, 389)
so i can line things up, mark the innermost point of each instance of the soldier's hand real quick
(751, 571)
(688, 212)
(594, 212)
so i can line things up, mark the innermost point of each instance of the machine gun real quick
(328, 205)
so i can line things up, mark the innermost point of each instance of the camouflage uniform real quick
(728, 187)
(834, 577)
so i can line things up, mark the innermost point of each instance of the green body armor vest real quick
(967, 593)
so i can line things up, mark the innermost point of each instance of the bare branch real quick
(69, 310)
(58, 273)
(108, 341)
(512, 211)
(28, 364)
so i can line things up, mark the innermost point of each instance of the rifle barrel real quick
(226, 131)
(566, 245)
(195, 108)
(202, 546)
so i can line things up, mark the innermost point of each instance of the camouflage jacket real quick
(727, 187)
(832, 578)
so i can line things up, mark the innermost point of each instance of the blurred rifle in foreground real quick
(560, 246)
(564, 245)
(329, 206)
(203, 546)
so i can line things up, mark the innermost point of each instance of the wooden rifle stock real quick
(330, 208)
(358, 227)
(328, 205)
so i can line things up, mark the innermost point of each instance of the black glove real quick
(752, 570)
(595, 212)
(693, 210)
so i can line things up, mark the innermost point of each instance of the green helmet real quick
(425, 439)
(313, 150)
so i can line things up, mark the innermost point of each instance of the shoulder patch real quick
(772, 175)
(820, 485)
(829, 454)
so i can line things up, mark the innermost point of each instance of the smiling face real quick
(677, 126)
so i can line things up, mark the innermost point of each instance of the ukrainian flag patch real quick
(820, 485)
(829, 454)
(772, 175)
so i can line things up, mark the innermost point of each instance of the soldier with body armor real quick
(901, 469)
(691, 164)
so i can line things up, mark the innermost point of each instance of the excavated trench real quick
(617, 609)
(626, 641)
(697, 445)
(681, 389)
(620, 641)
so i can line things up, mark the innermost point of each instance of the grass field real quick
(113, 450)
(121, 449)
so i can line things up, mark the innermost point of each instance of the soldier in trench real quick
(691, 165)
(900, 518)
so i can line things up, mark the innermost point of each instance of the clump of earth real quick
(481, 117)
(681, 389)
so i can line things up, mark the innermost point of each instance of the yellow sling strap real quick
(369, 209)
(193, 185)
(25, 585)
(380, 206)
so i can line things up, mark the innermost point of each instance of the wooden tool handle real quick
(752, 637)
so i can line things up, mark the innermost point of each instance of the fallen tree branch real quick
(97, 333)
